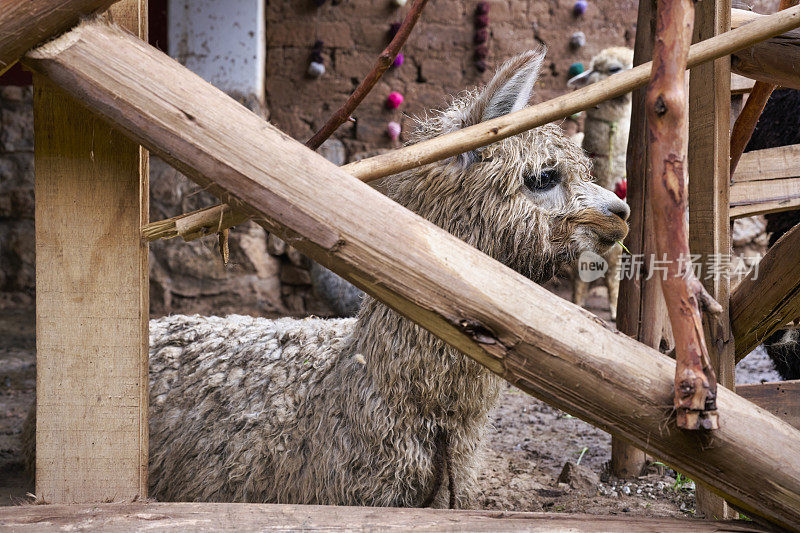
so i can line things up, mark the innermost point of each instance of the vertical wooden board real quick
(642, 312)
(709, 178)
(91, 299)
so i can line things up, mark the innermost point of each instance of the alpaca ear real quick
(511, 88)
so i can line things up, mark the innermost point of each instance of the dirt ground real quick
(529, 441)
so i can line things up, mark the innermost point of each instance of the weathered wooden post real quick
(91, 298)
(709, 183)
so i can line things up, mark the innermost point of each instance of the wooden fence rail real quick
(566, 357)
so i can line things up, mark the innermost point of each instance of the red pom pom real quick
(482, 8)
(481, 36)
(481, 52)
(394, 100)
(480, 65)
(621, 189)
(482, 21)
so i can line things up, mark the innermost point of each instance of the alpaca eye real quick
(546, 180)
(614, 69)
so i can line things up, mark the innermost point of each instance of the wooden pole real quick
(91, 299)
(667, 114)
(490, 313)
(709, 222)
(769, 297)
(500, 128)
(24, 24)
(641, 313)
(774, 61)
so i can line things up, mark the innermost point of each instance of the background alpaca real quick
(373, 410)
(605, 140)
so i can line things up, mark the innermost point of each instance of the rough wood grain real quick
(769, 297)
(775, 61)
(374, 168)
(781, 398)
(25, 24)
(91, 299)
(709, 223)
(202, 517)
(750, 198)
(767, 164)
(641, 312)
(564, 355)
(740, 84)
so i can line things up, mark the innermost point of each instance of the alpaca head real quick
(604, 64)
(528, 201)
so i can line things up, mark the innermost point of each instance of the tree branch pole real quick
(383, 63)
(746, 121)
(667, 116)
(412, 156)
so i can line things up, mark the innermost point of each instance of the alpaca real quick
(605, 139)
(373, 410)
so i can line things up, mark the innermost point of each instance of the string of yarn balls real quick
(577, 40)
(394, 100)
(481, 35)
(621, 188)
(580, 7)
(399, 60)
(393, 129)
(575, 69)
(317, 66)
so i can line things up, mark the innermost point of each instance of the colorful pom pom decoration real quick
(580, 7)
(394, 100)
(621, 189)
(393, 129)
(480, 65)
(482, 8)
(399, 60)
(481, 36)
(481, 51)
(315, 69)
(578, 40)
(575, 69)
(481, 21)
(399, 3)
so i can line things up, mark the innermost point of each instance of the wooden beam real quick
(202, 517)
(492, 314)
(642, 312)
(775, 61)
(769, 297)
(25, 24)
(740, 84)
(781, 398)
(91, 299)
(495, 130)
(750, 198)
(709, 223)
(767, 164)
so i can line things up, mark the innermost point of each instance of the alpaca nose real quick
(619, 208)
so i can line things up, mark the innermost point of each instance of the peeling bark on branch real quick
(667, 114)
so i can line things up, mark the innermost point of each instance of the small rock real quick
(626, 491)
(579, 477)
